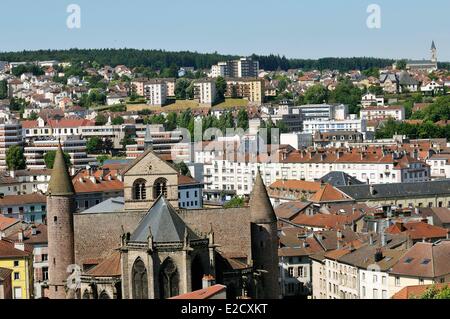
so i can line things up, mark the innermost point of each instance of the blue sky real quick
(295, 28)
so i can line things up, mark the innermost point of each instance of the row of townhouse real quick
(237, 174)
(375, 271)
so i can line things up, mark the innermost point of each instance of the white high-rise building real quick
(205, 92)
(155, 91)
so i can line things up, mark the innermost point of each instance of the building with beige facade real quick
(246, 88)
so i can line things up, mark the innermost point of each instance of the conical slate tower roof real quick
(165, 224)
(433, 46)
(260, 207)
(60, 182)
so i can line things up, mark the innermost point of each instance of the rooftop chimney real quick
(208, 281)
(378, 255)
(383, 239)
(372, 190)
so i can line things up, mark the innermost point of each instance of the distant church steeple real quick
(433, 52)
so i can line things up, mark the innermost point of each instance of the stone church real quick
(152, 249)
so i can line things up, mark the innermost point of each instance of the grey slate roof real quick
(110, 205)
(165, 224)
(406, 79)
(340, 179)
(399, 190)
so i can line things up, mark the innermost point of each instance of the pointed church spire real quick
(60, 182)
(261, 209)
(433, 45)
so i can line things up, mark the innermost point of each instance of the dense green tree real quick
(375, 89)
(100, 120)
(373, 71)
(15, 159)
(127, 140)
(436, 293)
(401, 64)
(235, 202)
(316, 94)
(102, 158)
(171, 121)
(181, 86)
(27, 68)
(94, 145)
(49, 159)
(348, 94)
(221, 87)
(183, 169)
(147, 61)
(3, 89)
(242, 119)
(118, 120)
(33, 116)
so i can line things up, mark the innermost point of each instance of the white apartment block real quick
(218, 70)
(231, 175)
(10, 135)
(373, 113)
(205, 92)
(372, 100)
(440, 166)
(314, 126)
(74, 146)
(155, 91)
(374, 284)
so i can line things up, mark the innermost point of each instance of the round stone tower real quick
(264, 237)
(60, 207)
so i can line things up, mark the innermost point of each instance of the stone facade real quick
(154, 176)
(60, 243)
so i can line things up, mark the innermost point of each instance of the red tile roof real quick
(7, 250)
(6, 222)
(327, 221)
(110, 267)
(14, 200)
(206, 293)
(412, 292)
(328, 194)
(418, 230)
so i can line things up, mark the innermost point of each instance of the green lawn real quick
(180, 105)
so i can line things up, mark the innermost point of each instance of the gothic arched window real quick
(104, 295)
(139, 190)
(86, 294)
(169, 279)
(160, 188)
(139, 280)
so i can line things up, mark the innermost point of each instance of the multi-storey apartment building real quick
(373, 166)
(205, 92)
(53, 128)
(242, 68)
(378, 113)
(247, 88)
(323, 126)
(155, 91)
(162, 143)
(31, 208)
(10, 135)
(74, 146)
(35, 236)
(311, 112)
